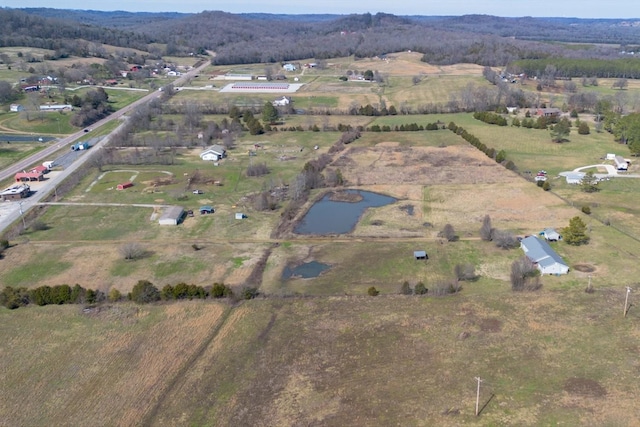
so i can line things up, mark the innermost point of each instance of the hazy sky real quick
(625, 9)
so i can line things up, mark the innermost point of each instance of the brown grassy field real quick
(104, 366)
(549, 358)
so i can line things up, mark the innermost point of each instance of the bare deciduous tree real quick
(485, 229)
(504, 239)
(524, 275)
(132, 251)
(465, 272)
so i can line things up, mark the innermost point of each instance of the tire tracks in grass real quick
(150, 416)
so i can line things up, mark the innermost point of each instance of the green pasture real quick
(36, 270)
(11, 153)
(431, 90)
(41, 122)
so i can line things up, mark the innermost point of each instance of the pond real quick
(305, 271)
(331, 216)
(5, 138)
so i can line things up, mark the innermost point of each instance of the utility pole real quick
(626, 300)
(24, 226)
(478, 396)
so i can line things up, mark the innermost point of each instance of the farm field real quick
(544, 358)
(321, 351)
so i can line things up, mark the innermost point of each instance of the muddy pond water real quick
(307, 270)
(339, 215)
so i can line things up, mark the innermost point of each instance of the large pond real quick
(307, 270)
(331, 216)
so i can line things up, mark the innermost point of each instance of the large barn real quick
(172, 215)
(545, 258)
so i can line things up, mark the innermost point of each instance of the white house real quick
(289, 67)
(281, 102)
(574, 177)
(14, 108)
(545, 258)
(213, 153)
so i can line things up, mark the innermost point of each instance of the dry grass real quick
(544, 357)
(106, 367)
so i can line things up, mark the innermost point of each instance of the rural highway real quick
(10, 211)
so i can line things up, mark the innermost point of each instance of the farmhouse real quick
(289, 67)
(173, 215)
(282, 102)
(33, 175)
(213, 153)
(574, 177)
(551, 235)
(15, 192)
(15, 108)
(124, 185)
(545, 258)
(548, 112)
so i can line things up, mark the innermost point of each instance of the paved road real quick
(612, 172)
(10, 211)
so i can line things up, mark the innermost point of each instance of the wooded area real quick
(252, 38)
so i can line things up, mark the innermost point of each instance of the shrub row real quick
(499, 156)
(12, 298)
(490, 118)
(142, 293)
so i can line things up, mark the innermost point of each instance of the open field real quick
(11, 153)
(421, 169)
(548, 358)
(319, 351)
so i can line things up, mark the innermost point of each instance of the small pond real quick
(305, 271)
(4, 138)
(330, 216)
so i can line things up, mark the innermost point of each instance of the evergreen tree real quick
(576, 232)
(589, 183)
(269, 113)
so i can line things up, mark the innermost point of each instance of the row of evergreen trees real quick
(142, 293)
(498, 156)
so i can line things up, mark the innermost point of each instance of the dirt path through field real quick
(148, 419)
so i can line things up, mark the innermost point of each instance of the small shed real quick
(124, 186)
(240, 215)
(420, 255)
(206, 210)
(551, 235)
(173, 215)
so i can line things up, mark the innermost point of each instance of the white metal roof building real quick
(172, 216)
(545, 258)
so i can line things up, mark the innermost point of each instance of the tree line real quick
(579, 67)
(143, 292)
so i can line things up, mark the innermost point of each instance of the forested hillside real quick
(251, 38)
